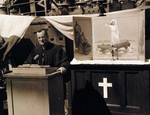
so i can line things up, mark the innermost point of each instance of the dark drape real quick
(15, 50)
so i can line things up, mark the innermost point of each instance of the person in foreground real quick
(48, 53)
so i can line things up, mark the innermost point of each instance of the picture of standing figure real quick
(77, 30)
(114, 31)
(82, 45)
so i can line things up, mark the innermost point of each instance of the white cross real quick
(105, 85)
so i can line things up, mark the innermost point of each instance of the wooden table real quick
(125, 88)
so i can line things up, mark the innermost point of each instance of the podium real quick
(35, 94)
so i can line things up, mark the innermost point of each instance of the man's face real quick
(42, 38)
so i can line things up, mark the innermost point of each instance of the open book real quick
(34, 69)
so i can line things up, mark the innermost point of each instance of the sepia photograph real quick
(74, 57)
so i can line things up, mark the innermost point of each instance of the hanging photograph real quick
(82, 38)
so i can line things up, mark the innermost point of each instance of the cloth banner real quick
(12, 28)
(14, 25)
(62, 23)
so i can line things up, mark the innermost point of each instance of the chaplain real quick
(48, 53)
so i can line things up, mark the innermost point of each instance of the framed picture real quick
(83, 42)
(116, 36)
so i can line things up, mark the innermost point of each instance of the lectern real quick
(35, 94)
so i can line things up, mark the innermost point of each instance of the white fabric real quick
(63, 23)
(109, 62)
(14, 25)
(17, 25)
